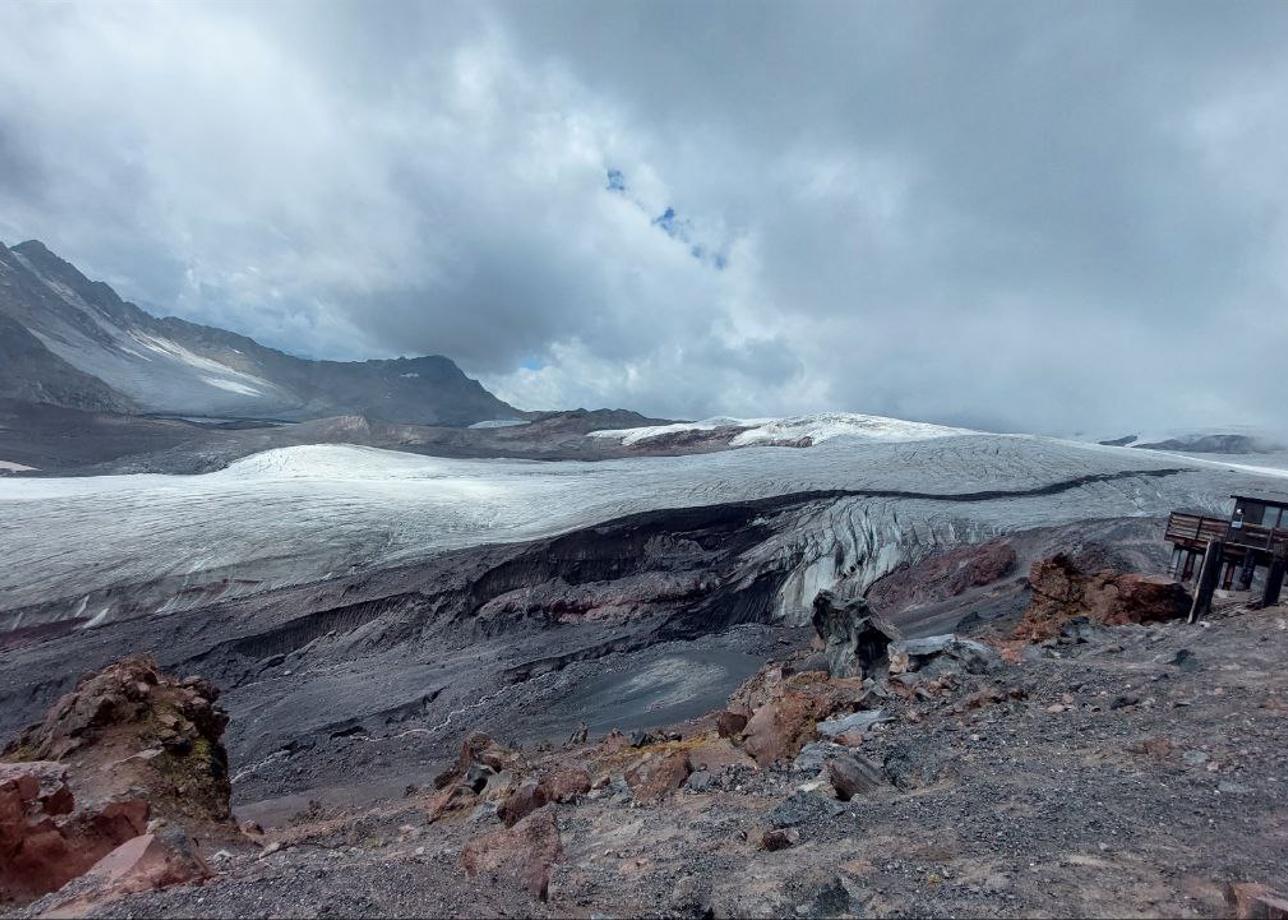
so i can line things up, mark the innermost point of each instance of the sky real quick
(1042, 216)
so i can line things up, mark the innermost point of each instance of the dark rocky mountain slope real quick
(72, 342)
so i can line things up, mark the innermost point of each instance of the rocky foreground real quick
(1083, 764)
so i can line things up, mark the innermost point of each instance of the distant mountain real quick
(72, 342)
(1203, 442)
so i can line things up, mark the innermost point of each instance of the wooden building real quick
(1231, 549)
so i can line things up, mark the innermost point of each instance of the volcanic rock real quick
(658, 775)
(943, 575)
(45, 840)
(139, 733)
(851, 775)
(779, 838)
(522, 854)
(718, 754)
(1250, 901)
(522, 802)
(936, 655)
(860, 722)
(143, 863)
(785, 722)
(1064, 590)
(854, 638)
(566, 783)
(730, 724)
(478, 749)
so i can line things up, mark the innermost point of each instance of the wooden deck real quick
(1193, 531)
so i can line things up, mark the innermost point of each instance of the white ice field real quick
(302, 513)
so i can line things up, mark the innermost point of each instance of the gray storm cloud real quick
(1040, 216)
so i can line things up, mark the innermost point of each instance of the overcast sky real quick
(1053, 217)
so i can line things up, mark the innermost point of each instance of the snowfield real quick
(817, 428)
(302, 513)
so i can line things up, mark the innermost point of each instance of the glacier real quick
(300, 514)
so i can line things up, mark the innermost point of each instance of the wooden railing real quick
(1194, 528)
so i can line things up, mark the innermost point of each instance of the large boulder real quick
(793, 706)
(851, 775)
(479, 753)
(520, 803)
(1063, 589)
(46, 840)
(935, 655)
(522, 854)
(143, 863)
(854, 638)
(131, 730)
(659, 774)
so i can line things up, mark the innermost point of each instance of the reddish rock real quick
(144, 863)
(522, 854)
(565, 784)
(1250, 901)
(522, 802)
(137, 732)
(484, 771)
(45, 841)
(729, 724)
(479, 750)
(658, 775)
(1063, 590)
(782, 725)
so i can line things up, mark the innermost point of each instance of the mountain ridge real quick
(84, 347)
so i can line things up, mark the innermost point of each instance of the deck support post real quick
(1209, 575)
(1274, 580)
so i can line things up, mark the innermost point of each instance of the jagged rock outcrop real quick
(131, 730)
(129, 745)
(1064, 589)
(854, 638)
(485, 771)
(852, 775)
(787, 708)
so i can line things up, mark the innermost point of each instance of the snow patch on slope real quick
(216, 374)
